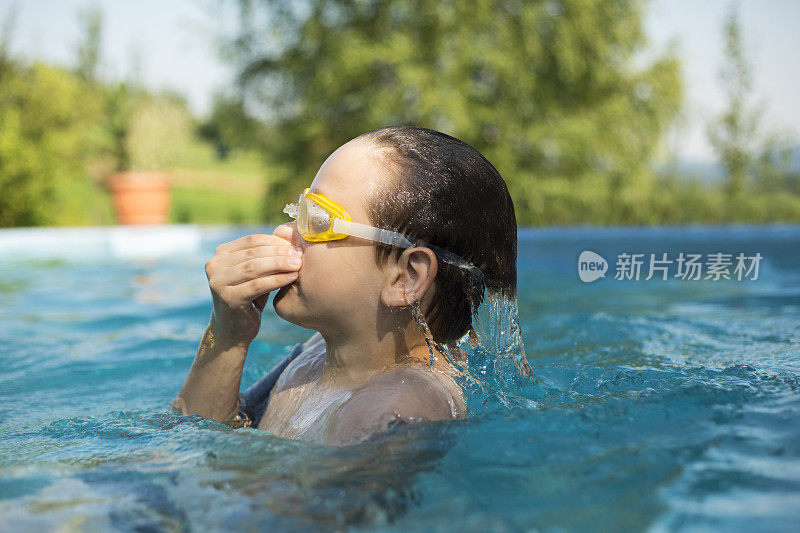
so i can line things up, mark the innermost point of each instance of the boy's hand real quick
(241, 275)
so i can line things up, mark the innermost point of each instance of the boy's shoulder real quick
(306, 367)
(404, 394)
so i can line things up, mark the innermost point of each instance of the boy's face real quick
(339, 285)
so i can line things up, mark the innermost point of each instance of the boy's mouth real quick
(287, 288)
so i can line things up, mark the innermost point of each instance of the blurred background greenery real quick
(554, 93)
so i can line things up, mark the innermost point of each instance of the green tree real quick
(553, 93)
(773, 168)
(45, 118)
(734, 134)
(6, 33)
(231, 126)
(88, 50)
(753, 160)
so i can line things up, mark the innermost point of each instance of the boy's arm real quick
(212, 387)
(403, 396)
(241, 275)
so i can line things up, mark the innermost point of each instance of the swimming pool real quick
(662, 405)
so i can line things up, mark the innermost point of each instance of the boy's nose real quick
(289, 232)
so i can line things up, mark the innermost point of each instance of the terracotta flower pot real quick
(140, 197)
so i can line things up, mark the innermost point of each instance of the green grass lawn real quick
(205, 190)
(203, 206)
(198, 166)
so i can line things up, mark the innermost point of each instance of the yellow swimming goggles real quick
(320, 219)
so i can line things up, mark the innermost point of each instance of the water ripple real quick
(658, 406)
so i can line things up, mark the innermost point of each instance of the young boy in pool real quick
(377, 253)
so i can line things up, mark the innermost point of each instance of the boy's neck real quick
(356, 358)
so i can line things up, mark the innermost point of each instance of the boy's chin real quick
(282, 303)
(281, 293)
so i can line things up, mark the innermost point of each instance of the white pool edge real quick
(107, 241)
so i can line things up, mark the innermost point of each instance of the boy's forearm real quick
(212, 387)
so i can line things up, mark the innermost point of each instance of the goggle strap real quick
(392, 238)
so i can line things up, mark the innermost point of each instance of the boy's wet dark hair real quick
(447, 194)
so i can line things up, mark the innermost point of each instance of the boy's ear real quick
(410, 278)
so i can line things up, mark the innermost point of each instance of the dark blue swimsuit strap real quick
(256, 397)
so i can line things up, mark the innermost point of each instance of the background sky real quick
(169, 44)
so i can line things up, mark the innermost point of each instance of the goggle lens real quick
(311, 218)
(302, 216)
(319, 220)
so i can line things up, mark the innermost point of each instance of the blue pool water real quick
(658, 405)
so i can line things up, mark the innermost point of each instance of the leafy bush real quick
(160, 128)
(46, 115)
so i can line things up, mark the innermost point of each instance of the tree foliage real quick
(555, 94)
(231, 126)
(733, 135)
(753, 160)
(46, 115)
(89, 50)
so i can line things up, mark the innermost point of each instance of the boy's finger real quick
(262, 267)
(250, 241)
(240, 256)
(257, 287)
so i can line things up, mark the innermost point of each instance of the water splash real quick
(491, 359)
(422, 324)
